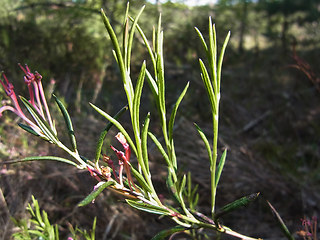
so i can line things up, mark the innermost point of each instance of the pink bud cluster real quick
(36, 94)
(310, 229)
(104, 173)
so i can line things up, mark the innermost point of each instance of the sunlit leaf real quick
(174, 111)
(223, 49)
(137, 96)
(115, 43)
(220, 166)
(117, 125)
(145, 40)
(133, 28)
(173, 183)
(206, 142)
(202, 39)
(93, 228)
(211, 91)
(105, 131)
(161, 149)
(148, 207)
(212, 54)
(42, 158)
(182, 184)
(153, 85)
(98, 189)
(144, 140)
(141, 180)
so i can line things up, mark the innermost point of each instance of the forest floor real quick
(269, 123)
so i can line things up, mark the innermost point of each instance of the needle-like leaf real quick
(68, 122)
(42, 158)
(174, 112)
(117, 125)
(105, 131)
(168, 232)
(148, 207)
(220, 166)
(98, 189)
(41, 123)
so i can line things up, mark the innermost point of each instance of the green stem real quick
(215, 116)
(75, 154)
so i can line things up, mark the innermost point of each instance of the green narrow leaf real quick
(191, 193)
(206, 142)
(280, 222)
(189, 185)
(173, 154)
(137, 97)
(160, 69)
(68, 122)
(208, 85)
(161, 84)
(161, 149)
(152, 84)
(145, 40)
(140, 180)
(119, 58)
(37, 233)
(28, 129)
(147, 207)
(242, 202)
(158, 48)
(144, 141)
(202, 39)
(105, 131)
(154, 44)
(212, 53)
(42, 158)
(174, 112)
(125, 40)
(221, 58)
(117, 125)
(115, 56)
(194, 191)
(127, 13)
(168, 232)
(56, 231)
(220, 166)
(93, 231)
(195, 202)
(172, 184)
(37, 211)
(115, 43)
(133, 28)
(98, 189)
(182, 185)
(30, 210)
(41, 123)
(46, 220)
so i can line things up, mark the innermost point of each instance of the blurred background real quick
(269, 120)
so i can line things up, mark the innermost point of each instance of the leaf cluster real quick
(39, 226)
